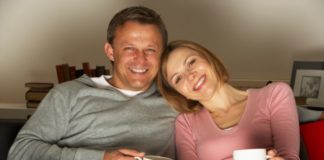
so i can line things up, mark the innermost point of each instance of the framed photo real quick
(309, 83)
(309, 65)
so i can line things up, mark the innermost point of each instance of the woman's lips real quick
(200, 83)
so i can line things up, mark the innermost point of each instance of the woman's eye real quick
(177, 79)
(191, 62)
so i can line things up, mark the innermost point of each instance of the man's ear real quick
(109, 51)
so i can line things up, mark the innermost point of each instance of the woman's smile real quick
(200, 83)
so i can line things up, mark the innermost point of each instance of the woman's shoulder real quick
(278, 87)
(192, 116)
(273, 88)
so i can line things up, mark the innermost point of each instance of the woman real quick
(217, 118)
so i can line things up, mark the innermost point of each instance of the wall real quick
(257, 40)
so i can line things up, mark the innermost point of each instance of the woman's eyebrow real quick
(184, 63)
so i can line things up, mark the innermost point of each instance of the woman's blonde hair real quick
(174, 98)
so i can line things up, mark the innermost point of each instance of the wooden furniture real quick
(12, 118)
(9, 128)
(15, 111)
(66, 72)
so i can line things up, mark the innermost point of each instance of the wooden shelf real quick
(15, 111)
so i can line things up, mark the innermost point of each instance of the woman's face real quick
(190, 74)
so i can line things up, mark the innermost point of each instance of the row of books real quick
(36, 92)
(66, 72)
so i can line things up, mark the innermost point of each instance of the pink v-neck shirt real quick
(269, 121)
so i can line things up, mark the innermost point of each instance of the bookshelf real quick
(66, 72)
(15, 111)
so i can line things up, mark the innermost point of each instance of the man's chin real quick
(140, 85)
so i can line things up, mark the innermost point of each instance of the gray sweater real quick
(77, 121)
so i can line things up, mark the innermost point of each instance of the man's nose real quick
(140, 56)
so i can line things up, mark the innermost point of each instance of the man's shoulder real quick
(73, 86)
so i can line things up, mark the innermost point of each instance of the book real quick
(100, 70)
(72, 72)
(66, 72)
(39, 85)
(92, 72)
(86, 68)
(34, 96)
(60, 74)
(32, 104)
(79, 73)
(40, 89)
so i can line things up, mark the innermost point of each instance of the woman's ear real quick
(109, 51)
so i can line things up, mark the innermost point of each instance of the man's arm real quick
(38, 139)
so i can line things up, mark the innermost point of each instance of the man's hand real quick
(123, 154)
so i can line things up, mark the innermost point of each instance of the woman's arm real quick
(186, 148)
(284, 121)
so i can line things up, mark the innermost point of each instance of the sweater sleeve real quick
(284, 121)
(38, 139)
(185, 144)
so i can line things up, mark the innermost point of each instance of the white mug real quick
(250, 154)
(152, 157)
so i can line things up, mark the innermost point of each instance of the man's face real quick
(136, 52)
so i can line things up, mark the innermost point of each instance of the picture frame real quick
(309, 65)
(309, 84)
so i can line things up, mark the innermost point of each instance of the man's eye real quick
(129, 49)
(150, 51)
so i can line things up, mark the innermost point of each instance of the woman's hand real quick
(123, 154)
(273, 155)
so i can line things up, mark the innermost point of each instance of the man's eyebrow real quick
(153, 45)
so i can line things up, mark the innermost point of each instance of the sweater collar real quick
(87, 81)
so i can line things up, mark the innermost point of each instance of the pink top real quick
(269, 121)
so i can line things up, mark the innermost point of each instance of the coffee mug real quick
(152, 157)
(250, 154)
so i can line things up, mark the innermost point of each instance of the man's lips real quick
(138, 70)
(200, 83)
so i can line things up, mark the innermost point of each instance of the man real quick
(121, 116)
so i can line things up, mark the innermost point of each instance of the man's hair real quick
(140, 14)
(175, 99)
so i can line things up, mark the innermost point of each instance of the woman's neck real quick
(225, 98)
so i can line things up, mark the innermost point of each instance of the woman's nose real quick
(191, 75)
